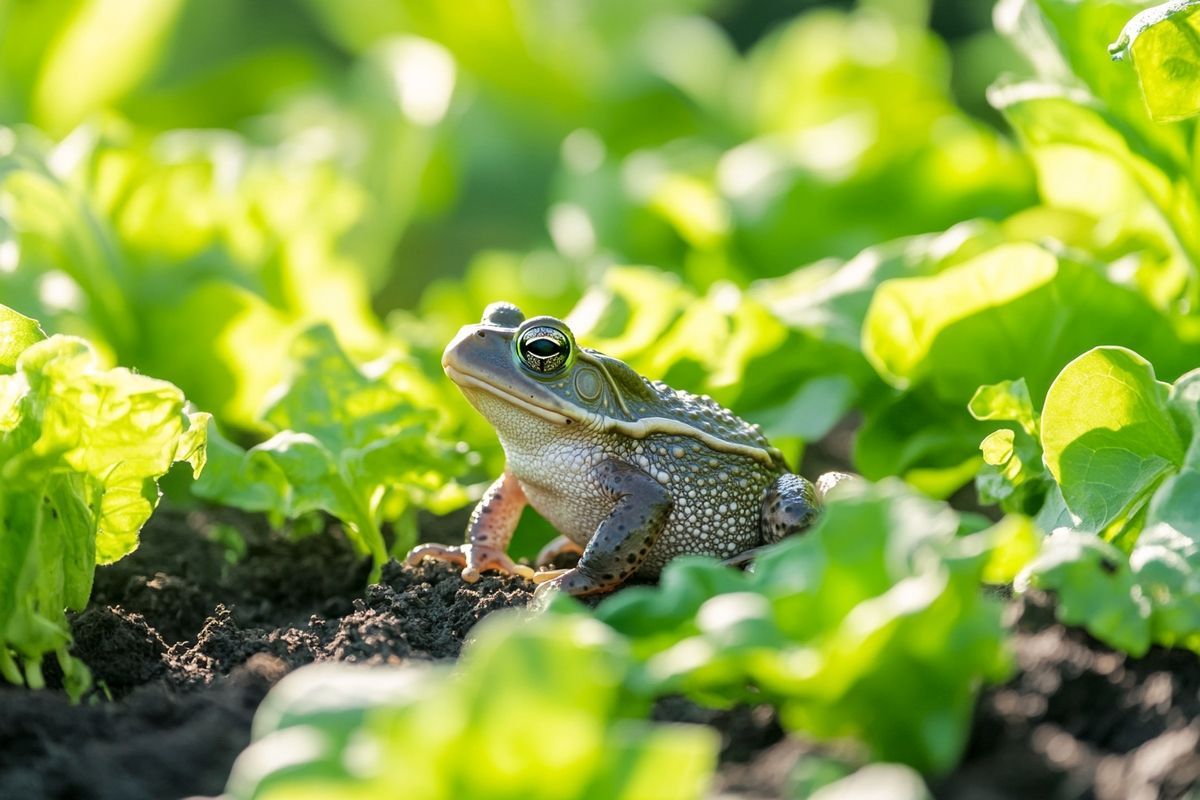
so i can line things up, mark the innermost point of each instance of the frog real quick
(631, 472)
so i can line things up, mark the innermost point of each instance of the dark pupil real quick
(545, 350)
(543, 347)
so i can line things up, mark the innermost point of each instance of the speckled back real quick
(646, 399)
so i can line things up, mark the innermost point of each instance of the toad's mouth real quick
(525, 402)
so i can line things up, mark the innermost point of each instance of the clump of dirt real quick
(187, 563)
(185, 637)
(422, 613)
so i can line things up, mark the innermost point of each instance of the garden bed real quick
(184, 640)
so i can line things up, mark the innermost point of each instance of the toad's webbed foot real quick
(473, 558)
(572, 582)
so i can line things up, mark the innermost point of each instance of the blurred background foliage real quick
(190, 183)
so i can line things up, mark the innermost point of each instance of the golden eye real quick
(544, 349)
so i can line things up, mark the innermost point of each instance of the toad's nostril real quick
(481, 334)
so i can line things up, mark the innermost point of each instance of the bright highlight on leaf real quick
(17, 333)
(1107, 435)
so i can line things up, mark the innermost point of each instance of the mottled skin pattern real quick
(631, 471)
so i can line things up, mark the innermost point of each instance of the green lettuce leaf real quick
(81, 452)
(352, 732)
(1124, 453)
(845, 628)
(350, 445)
(1015, 311)
(17, 332)
(1163, 43)
(1107, 435)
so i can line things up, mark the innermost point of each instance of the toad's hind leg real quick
(623, 540)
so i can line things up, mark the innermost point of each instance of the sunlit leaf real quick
(564, 675)
(81, 452)
(1164, 42)
(1107, 435)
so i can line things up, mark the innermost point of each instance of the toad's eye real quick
(544, 349)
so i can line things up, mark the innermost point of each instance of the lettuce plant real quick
(81, 451)
(194, 255)
(350, 445)
(846, 629)
(1115, 452)
(536, 709)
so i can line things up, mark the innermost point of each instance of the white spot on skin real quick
(678, 452)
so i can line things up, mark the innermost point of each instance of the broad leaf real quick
(1015, 311)
(1164, 43)
(1107, 435)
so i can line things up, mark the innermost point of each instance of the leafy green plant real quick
(194, 256)
(350, 445)
(536, 709)
(81, 451)
(802, 166)
(846, 629)
(1114, 451)
(1017, 311)
(1083, 115)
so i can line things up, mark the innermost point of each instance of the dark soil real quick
(184, 639)
(1080, 720)
(183, 644)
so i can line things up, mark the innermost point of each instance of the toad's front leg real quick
(623, 540)
(488, 534)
